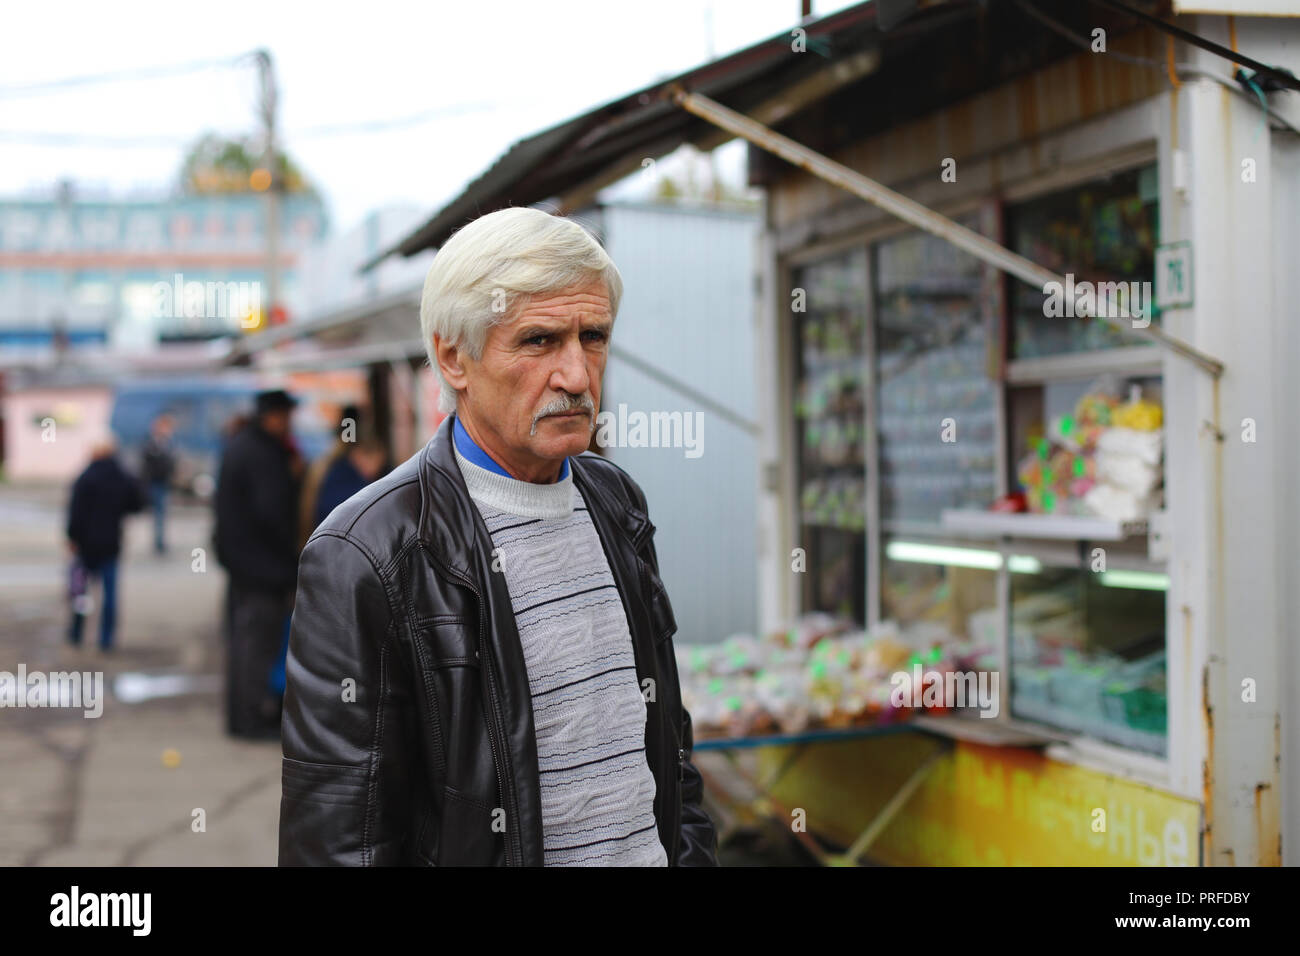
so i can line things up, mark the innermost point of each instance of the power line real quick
(121, 76)
(1182, 69)
(82, 140)
(1283, 78)
(378, 126)
(361, 127)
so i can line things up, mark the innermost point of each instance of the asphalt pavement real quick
(153, 780)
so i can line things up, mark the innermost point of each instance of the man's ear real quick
(449, 363)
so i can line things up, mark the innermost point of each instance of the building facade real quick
(123, 274)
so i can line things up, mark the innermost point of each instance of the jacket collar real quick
(591, 475)
(444, 489)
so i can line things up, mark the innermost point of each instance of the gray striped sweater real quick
(597, 789)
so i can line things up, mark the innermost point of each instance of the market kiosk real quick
(966, 473)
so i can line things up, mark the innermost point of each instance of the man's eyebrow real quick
(535, 328)
(540, 327)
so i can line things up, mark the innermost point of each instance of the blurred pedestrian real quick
(158, 460)
(345, 435)
(256, 539)
(361, 463)
(102, 496)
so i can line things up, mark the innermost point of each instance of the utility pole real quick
(269, 100)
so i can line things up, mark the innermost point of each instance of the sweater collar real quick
(466, 446)
(452, 528)
(494, 487)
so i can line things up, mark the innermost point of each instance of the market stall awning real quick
(381, 329)
(918, 215)
(569, 162)
(859, 77)
(825, 81)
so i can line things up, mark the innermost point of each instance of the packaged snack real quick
(1145, 446)
(1139, 414)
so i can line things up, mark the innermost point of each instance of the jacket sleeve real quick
(346, 730)
(76, 513)
(699, 846)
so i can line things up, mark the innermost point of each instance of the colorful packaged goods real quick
(1103, 459)
(820, 672)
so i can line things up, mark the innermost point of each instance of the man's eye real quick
(536, 340)
(594, 335)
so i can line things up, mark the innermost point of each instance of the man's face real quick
(368, 461)
(276, 422)
(532, 399)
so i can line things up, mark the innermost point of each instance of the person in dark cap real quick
(256, 537)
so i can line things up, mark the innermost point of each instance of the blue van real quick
(203, 410)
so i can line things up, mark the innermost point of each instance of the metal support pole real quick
(269, 103)
(912, 212)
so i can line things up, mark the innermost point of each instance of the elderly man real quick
(481, 666)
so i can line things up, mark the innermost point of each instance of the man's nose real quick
(570, 374)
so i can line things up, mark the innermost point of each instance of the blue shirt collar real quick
(469, 448)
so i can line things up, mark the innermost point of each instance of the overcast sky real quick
(500, 70)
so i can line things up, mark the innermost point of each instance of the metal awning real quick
(767, 84)
(570, 162)
(379, 329)
(915, 214)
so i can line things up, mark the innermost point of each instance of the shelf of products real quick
(834, 502)
(821, 673)
(1104, 458)
(937, 415)
(1082, 458)
(1105, 230)
(1089, 658)
(830, 420)
(994, 524)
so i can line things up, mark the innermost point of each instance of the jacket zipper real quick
(498, 747)
(671, 740)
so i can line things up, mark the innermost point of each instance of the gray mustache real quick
(562, 405)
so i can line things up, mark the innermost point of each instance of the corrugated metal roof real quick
(938, 51)
(643, 124)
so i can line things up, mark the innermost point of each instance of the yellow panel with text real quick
(986, 806)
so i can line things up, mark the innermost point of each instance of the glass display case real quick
(937, 404)
(1105, 230)
(1030, 428)
(1088, 654)
(830, 430)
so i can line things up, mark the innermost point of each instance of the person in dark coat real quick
(256, 542)
(349, 421)
(360, 464)
(158, 459)
(101, 497)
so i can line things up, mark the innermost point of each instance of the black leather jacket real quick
(408, 727)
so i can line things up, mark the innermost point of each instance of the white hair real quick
(482, 272)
